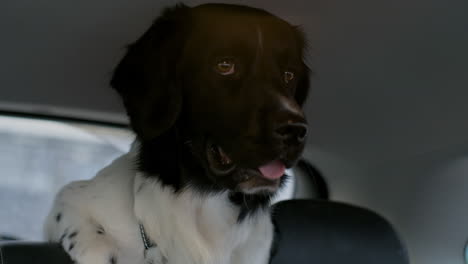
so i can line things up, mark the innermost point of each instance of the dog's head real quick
(214, 94)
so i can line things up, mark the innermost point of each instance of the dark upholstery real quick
(325, 232)
(13, 252)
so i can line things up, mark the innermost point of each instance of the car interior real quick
(384, 175)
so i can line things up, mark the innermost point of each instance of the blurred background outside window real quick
(38, 157)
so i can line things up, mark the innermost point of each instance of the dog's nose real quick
(292, 132)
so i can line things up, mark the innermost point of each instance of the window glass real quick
(38, 157)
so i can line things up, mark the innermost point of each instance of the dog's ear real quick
(146, 77)
(302, 89)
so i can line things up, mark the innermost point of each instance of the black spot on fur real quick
(113, 260)
(140, 187)
(62, 237)
(72, 245)
(58, 217)
(100, 230)
(72, 235)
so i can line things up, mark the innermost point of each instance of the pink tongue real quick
(273, 170)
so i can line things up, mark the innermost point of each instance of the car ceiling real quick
(390, 77)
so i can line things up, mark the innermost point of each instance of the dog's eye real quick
(288, 76)
(226, 67)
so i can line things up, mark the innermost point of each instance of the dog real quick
(214, 94)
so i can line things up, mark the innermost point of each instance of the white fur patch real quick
(101, 217)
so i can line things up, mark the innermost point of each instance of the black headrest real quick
(32, 253)
(327, 232)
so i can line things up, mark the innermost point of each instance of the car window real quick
(39, 156)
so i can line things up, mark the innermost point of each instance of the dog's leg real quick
(87, 243)
(70, 224)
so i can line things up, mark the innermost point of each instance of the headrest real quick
(324, 232)
(32, 253)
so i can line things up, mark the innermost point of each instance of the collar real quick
(149, 245)
(146, 242)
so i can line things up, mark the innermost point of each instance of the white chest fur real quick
(97, 222)
(191, 228)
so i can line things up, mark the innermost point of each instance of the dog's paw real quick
(89, 246)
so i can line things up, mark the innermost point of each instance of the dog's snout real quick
(292, 132)
(290, 125)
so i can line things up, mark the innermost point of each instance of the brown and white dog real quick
(214, 95)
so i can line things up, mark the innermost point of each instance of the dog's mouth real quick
(265, 177)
